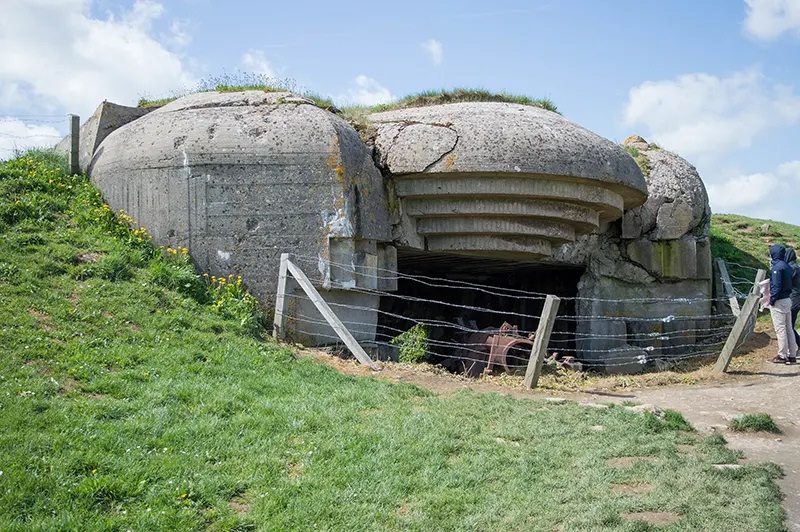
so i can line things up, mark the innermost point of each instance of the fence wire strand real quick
(685, 337)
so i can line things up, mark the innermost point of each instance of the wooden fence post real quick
(727, 286)
(750, 328)
(74, 146)
(329, 316)
(747, 314)
(279, 323)
(540, 341)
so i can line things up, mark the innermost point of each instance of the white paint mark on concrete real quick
(337, 223)
(324, 271)
(186, 170)
(223, 255)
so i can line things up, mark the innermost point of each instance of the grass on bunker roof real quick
(240, 81)
(128, 402)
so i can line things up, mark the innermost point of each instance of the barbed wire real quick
(436, 282)
(741, 266)
(686, 337)
(10, 136)
(666, 319)
(605, 362)
(613, 351)
(690, 333)
(63, 120)
(62, 115)
(617, 353)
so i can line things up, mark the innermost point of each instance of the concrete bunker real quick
(509, 195)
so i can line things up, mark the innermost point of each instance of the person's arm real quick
(774, 285)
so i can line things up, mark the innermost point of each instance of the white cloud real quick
(769, 19)
(435, 51)
(367, 92)
(256, 62)
(789, 170)
(706, 116)
(760, 195)
(746, 191)
(16, 135)
(65, 59)
(142, 15)
(179, 34)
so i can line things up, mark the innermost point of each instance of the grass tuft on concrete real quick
(241, 81)
(129, 400)
(460, 95)
(641, 159)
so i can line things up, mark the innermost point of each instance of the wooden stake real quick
(329, 316)
(74, 148)
(728, 287)
(540, 341)
(279, 323)
(747, 314)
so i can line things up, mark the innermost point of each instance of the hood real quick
(790, 255)
(777, 252)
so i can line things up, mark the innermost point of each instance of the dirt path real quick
(757, 386)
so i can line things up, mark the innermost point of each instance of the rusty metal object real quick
(501, 343)
(485, 351)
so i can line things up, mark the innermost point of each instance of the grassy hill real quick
(135, 394)
(744, 244)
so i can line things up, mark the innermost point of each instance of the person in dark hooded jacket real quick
(791, 260)
(780, 291)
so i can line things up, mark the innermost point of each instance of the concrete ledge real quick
(609, 204)
(583, 219)
(493, 245)
(548, 230)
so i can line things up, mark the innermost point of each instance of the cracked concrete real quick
(414, 147)
(471, 162)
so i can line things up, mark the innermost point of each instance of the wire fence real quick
(22, 132)
(463, 319)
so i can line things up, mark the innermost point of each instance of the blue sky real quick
(717, 81)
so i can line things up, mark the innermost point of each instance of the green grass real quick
(459, 95)
(754, 423)
(744, 243)
(357, 114)
(131, 399)
(241, 81)
(641, 159)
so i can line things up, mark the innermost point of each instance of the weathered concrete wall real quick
(659, 251)
(502, 179)
(240, 178)
(106, 119)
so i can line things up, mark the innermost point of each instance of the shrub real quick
(175, 271)
(413, 343)
(232, 301)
